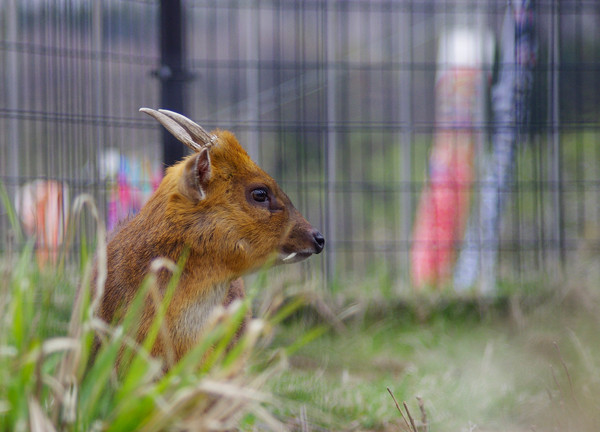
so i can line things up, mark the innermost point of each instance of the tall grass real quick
(57, 381)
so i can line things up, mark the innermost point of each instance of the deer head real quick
(222, 203)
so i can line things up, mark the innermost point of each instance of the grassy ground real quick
(514, 367)
(508, 370)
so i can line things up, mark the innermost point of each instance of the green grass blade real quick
(10, 211)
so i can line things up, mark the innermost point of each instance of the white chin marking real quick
(290, 256)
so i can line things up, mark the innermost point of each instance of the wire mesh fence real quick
(355, 108)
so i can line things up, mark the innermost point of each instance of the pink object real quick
(444, 206)
(132, 185)
(125, 200)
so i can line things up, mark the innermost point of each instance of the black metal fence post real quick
(172, 72)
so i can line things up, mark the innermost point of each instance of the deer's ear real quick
(196, 174)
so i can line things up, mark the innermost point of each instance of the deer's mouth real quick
(304, 244)
(293, 257)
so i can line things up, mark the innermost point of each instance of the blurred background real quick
(449, 144)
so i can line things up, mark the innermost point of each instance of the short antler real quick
(185, 130)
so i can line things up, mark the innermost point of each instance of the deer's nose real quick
(319, 241)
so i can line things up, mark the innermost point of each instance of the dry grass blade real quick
(566, 369)
(325, 311)
(55, 387)
(69, 405)
(268, 419)
(217, 402)
(71, 361)
(556, 383)
(233, 391)
(101, 253)
(210, 405)
(575, 407)
(60, 344)
(38, 421)
(157, 301)
(400, 410)
(241, 395)
(232, 399)
(412, 421)
(424, 421)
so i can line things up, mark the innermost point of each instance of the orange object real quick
(43, 208)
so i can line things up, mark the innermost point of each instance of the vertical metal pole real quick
(12, 99)
(555, 154)
(98, 91)
(405, 199)
(331, 166)
(252, 82)
(171, 72)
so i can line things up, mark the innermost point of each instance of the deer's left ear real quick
(196, 174)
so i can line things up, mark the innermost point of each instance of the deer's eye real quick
(259, 195)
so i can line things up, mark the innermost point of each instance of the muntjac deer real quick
(227, 214)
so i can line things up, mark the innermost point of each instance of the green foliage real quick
(498, 367)
(52, 381)
(10, 211)
(53, 375)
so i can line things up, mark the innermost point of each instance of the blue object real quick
(511, 101)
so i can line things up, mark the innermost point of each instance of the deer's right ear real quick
(196, 174)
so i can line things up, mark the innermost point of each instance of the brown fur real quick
(204, 206)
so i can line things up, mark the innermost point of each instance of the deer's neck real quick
(150, 236)
(192, 315)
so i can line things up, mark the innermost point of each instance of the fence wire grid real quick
(350, 105)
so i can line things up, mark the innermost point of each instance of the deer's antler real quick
(185, 130)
